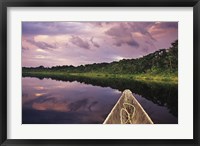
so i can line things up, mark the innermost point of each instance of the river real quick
(89, 101)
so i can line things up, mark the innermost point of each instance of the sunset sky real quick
(75, 43)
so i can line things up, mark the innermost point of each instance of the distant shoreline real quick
(160, 78)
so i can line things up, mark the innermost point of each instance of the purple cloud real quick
(122, 35)
(165, 25)
(25, 48)
(41, 45)
(94, 43)
(80, 42)
(49, 28)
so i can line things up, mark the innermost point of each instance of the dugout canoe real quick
(128, 110)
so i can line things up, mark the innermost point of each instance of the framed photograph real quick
(99, 72)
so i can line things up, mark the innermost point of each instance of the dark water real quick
(77, 100)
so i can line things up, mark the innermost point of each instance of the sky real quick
(78, 43)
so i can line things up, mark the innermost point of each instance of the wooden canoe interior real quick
(128, 110)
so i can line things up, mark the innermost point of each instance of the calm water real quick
(87, 101)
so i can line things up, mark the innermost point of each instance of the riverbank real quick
(148, 77)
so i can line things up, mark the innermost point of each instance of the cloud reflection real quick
(73, 103)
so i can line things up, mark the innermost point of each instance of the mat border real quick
(4, 4)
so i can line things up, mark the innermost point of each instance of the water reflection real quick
(89, 100)
(49, 101)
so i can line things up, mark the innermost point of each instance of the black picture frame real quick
(4, 4)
